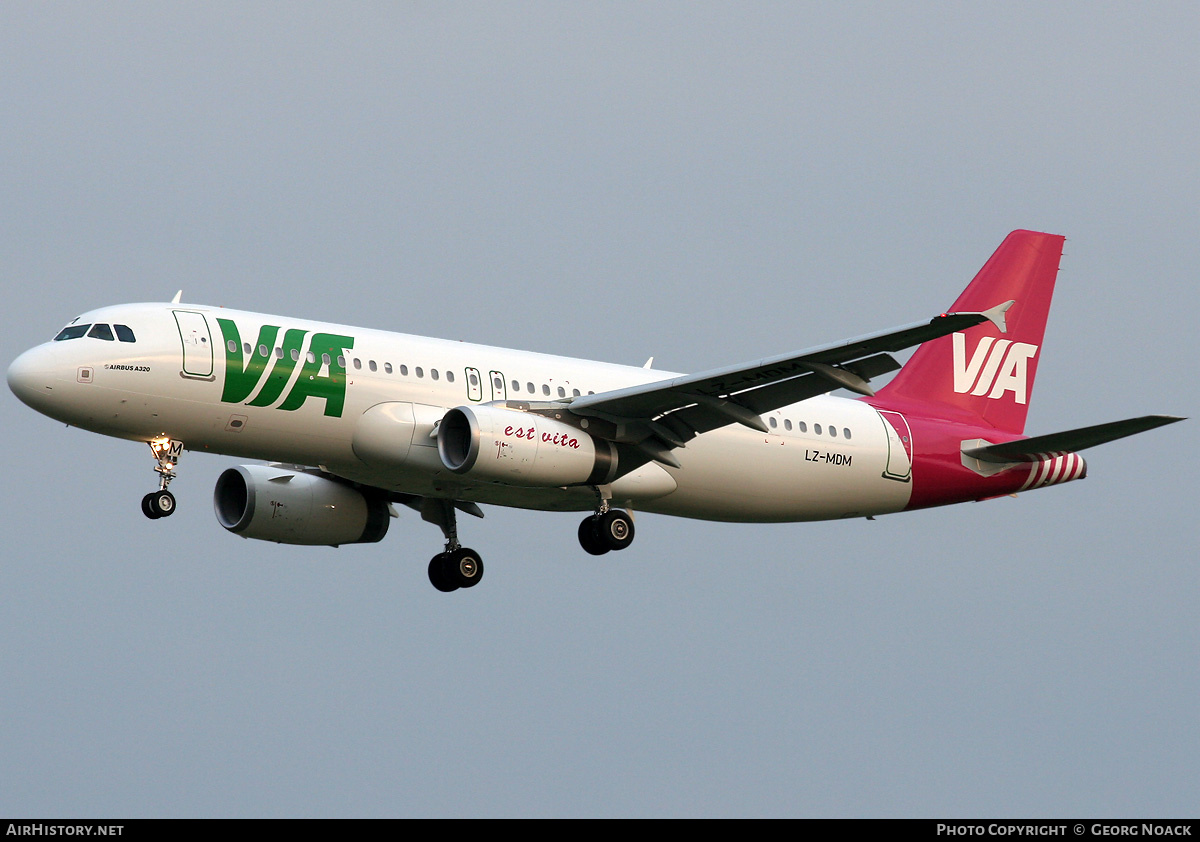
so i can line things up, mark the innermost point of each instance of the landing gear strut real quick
(606, 530)
(161, 503)
(456, 567)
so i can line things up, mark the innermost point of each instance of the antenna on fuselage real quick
(178, 296)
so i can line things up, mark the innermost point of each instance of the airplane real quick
(351, 421)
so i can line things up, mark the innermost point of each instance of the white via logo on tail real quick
(999, 365)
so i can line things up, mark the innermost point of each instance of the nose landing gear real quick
(158, 504)
(161, 503)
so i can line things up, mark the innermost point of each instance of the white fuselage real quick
(198, 374)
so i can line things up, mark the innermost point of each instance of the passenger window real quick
(772, 422)
(387, 367)
(232, 346)
(531, 389)
(279, 353)
(295, 354)
(324, 359)
(516, 385)
(357, 362)
(262, 350)
(833, 432)
(846, 432)
(817, 429)
(787, 424)
(433, 373)
(124, 333)
(246, 349)
(101, 332)
(341, 361)
(575, 392)
(420, 371)
(498, 384)
(562, 393)
(72, 332)
(545, 390)
(802, 427)
(404, 370)
(374, 366)
(449, 376)
(473, 379)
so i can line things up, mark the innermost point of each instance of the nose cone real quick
(31, 379)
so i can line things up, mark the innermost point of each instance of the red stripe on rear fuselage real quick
(939, 476)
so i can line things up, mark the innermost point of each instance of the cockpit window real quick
(101, 331)
(124, 333)
(72, 332)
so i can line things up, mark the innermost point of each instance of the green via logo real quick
(325, 351)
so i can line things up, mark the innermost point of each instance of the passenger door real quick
(197, 344)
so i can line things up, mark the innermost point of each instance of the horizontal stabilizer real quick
(1037, 448)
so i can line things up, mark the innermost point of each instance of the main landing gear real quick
(161, 503)
(606, 530)
(456, 567)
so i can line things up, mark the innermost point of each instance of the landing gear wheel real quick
(615, 529)
(163, 502)
(589, 536)
(158, 504)
(148, 507)
(438, 576)
(464, 567)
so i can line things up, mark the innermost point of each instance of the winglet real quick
(178, 296)
(996, 315)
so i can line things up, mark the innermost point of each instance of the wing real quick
(660, 416)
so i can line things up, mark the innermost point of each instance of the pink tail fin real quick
(983, 372)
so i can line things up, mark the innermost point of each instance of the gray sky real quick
(704, 183)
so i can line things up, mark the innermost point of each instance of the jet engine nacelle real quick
(292, 507)
(494, 444)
